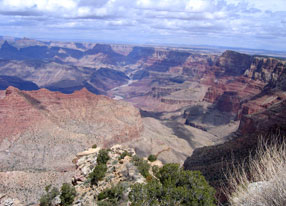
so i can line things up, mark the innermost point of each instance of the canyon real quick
(198, 105)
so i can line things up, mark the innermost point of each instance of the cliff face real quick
(229, 102)
(265, 69)
(258, 100)
(240, 94)
(41, 131)
(234, 63)
(214, 161)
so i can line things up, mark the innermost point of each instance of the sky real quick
(257, 24)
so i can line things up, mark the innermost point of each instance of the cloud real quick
(20, 13)
(249, 23)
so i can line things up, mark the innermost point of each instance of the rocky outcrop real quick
(265, 69)
(234, 63)
(8, 201)
(229, 102)
(110, 56)
(281, 83)
(213, 94)
(41, 131)
(272, 117)
(158, 92)
(173, 58)
(139, 53)
(121, 171)
(215, 160)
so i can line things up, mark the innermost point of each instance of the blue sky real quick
(259, 24)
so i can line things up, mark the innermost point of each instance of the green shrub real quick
(169, 174)
(155, 170)
(135, 158)
(107, 203)
(115, 193)
(146, 194)
(142, 165)
(123, 155)
(68, 194)
(97, 174)
(100, 169)
(102, 157)
(174, 186)
(94, 146)
(152, 158)
(46, 199)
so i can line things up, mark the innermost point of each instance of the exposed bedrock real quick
(214, 161)
(229, 102)
(234, 63)
(41, 131)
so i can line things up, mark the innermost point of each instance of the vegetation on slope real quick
(173, 186)
(152, 158)
(120, 180)
(66, 195)
(142, 166)
(97, 174)
(100, 169)
(46, 199)
(112, 196)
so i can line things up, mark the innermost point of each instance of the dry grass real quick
(262, 180)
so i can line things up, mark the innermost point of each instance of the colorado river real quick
(117, 97)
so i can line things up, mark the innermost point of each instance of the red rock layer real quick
(81, 118)
(229, 102)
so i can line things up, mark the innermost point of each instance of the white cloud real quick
(42, 5)
(197, 5)
(172, 21)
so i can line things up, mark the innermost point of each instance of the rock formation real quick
(41, 131)
(229, 101)
(215, 161)
(121, 171)
(234, 63)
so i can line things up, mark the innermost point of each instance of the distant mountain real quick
(106, 79)
(138, 53)
(6, 81)
(9, 38)
(64, 74)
